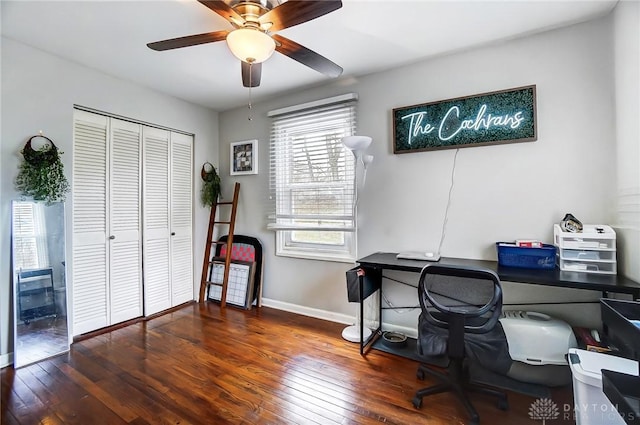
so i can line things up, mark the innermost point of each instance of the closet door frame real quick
(178, 254)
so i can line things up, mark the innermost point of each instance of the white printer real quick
(538, 344)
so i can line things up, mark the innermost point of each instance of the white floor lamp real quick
(352, 333)
(357, 145)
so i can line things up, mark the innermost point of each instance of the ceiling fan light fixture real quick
(250, 45)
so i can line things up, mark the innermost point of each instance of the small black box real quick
(370, 283)
(621, 325)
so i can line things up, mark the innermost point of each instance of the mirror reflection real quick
(40, 301)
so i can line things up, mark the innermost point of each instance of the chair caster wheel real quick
(417, 402)
(420, 374)
(503, 404)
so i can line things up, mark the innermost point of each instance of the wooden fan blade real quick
(251, 74)
(306, 57)
(223, 9)
(295, 12)
(190, 40)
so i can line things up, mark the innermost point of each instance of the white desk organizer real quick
(591, 251)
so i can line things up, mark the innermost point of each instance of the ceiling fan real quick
(253, 39)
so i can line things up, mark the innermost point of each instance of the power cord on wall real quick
(446, 211)
(397, 309)
(404, 309)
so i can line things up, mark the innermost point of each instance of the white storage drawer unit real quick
(591, 251)
(592, 407)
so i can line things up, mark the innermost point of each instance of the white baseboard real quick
(6, 360)
(309, 311)
(331, 316)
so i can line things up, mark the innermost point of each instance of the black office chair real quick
(460, 310)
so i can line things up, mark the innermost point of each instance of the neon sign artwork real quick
(487, 119)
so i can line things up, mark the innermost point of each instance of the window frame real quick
(286, 243)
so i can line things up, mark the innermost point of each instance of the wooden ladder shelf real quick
(209, 261)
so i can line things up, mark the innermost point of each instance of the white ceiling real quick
(363, 36)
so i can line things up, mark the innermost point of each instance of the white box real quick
(592, 407)
(591, 251)
(525, 330)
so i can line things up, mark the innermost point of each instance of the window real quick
(30, 236)
(312, 180)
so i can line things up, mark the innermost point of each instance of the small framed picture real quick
(243, 158)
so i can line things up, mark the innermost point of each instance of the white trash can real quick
(592, 407)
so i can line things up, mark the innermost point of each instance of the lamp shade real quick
(357, 143)
(250, 45)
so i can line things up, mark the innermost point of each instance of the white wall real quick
(626, 35)
(38, 93)
(501, 192)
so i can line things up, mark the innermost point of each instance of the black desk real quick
(374, 264)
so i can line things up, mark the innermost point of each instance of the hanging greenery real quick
(41, 173)
(211, 186)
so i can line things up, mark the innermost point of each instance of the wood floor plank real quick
(265, 378)
(87, 410)
(118, 406)
(330, 401)
(264, 395)
(148, 408)
(203, 365)
(64, 388)
(25, 404)
(7, 418)
(40, 383)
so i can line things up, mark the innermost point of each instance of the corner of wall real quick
(6, 359)
(626, 48)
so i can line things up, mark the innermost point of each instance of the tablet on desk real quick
(418, 255)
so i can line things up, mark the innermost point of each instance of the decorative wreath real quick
(209, 175)
(41, 174)
(43, 157)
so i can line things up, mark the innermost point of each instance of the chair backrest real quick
(460, 296)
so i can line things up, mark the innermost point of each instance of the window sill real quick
(318, 256)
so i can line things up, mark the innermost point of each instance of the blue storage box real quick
(510, 255)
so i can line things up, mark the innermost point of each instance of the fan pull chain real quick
(250, 118)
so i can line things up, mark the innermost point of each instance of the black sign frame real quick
(509, 116)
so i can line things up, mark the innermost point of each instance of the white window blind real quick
(29, 233)
(312, 174)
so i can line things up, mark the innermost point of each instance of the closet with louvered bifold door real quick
(167, 205)
(126, 176)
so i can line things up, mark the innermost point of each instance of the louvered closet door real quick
(181, 213)
(157, 274)
(90, 254)
(125, 263)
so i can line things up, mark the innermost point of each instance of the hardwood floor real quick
(41, 338)
(201, 365)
